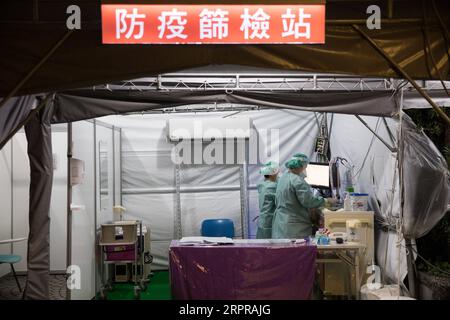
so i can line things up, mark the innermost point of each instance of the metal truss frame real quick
(289, 82)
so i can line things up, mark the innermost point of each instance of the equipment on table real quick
(347, 203)
(318, 175)
(335, 235)
(359, 201)
(322, 237)
(218, 228)
(341, 177)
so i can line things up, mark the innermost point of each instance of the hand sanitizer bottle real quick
(347, 203)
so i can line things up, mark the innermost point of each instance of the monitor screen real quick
(318, 175)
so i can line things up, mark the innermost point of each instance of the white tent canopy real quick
(370, 142)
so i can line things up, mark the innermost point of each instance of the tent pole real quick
(35, 68)
(399, 223)
(391, 136)
(25, 121)
(396, 67)
(411, 269)
(178, 227)
(392, 149)
(69, 201)
(409, 253)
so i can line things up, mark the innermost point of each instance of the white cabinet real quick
(335, 275)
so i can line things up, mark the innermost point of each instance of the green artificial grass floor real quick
(158, 289)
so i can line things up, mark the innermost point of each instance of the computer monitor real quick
(318, 175)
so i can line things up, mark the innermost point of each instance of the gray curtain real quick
(38, 132)
(12, 114)
(87, 104)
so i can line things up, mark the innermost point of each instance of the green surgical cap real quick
(270, 168)
(301, 156)
(298, 160)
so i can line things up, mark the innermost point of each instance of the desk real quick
(244, 270)
(347, 253)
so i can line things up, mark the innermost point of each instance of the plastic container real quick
(323, 240)
(387, 292)
(347, 203)
(119, 233)
(359, 201)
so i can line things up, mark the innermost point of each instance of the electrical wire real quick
(367, 153)
(428, 46)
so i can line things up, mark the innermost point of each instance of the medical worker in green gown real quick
(266, 192)
(293, 198)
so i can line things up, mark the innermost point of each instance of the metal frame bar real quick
(69, 201)
(285, 82)
(94, 122)
(391, 136)
(392, 149)
(113, 165)
(15, 277)
(197, 189)
(348, 256)
(243, 181)
(400, 71)
(121, 167)
(100, 123)
(177, 205)
(12, 194)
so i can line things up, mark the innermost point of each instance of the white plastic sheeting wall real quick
(148, 182)
(21, 184)
(5, 201)
(297, 133)
(149, 179)
(58, 204)
(91, 141)
(207, 191)
(83, 220)
(14, 195)
(375, 172)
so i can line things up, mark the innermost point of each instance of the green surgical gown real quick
(266, 191)
(293, 199)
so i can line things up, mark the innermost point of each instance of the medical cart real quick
(123, 242)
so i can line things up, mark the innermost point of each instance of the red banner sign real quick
(196, 24)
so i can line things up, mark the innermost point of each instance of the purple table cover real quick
(242, 271)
